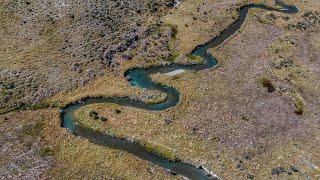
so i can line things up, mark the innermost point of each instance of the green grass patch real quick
(46, 151)
(159, 150)
(32, 129)
(84, 120)
(195, 59)
(173, 57)
(85, 117)
(299, 103)
(267, 83)
(42, 105)
(49, 32)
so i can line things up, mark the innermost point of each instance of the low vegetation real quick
(50, 47)
(299, 103)
(226, 121)
(159, 150)
(195, 59)
(268, 84)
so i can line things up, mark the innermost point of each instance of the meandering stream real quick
(140, 77)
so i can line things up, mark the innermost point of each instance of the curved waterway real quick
(140, 77)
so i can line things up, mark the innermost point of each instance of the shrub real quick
(103, 118)
(32, 129)
(195, 59)
(160, 150)
(174, 31)
(299, 104)
(46, 152)
(268, 84)
(93, 114)
(117, 111)
(173, 57)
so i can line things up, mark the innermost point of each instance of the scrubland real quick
(256, 115)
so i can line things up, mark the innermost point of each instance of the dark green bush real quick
(117, 111)
(93, 114)
(268, 84)
(103, 118)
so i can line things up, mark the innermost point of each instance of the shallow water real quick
(140, 77)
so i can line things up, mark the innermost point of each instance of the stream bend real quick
(140, 77)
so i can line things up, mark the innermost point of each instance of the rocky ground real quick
(25, 154)
(255, 116)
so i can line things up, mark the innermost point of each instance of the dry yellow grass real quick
(77, 158)
(194, 27)
(217, 123)
(109, 85)
(224, 113)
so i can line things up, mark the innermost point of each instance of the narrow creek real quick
(140, 77)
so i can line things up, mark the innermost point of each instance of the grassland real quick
(50, 47)
(39, 148)
(227, 120)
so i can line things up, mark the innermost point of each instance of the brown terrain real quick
(255, 116)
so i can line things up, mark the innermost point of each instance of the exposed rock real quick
(278, 170)
(90, 73)
(126, 57)
(247, 155)
(311, 21)
(75, 67)
(168, 121)
(294, 169)
(42, 93)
